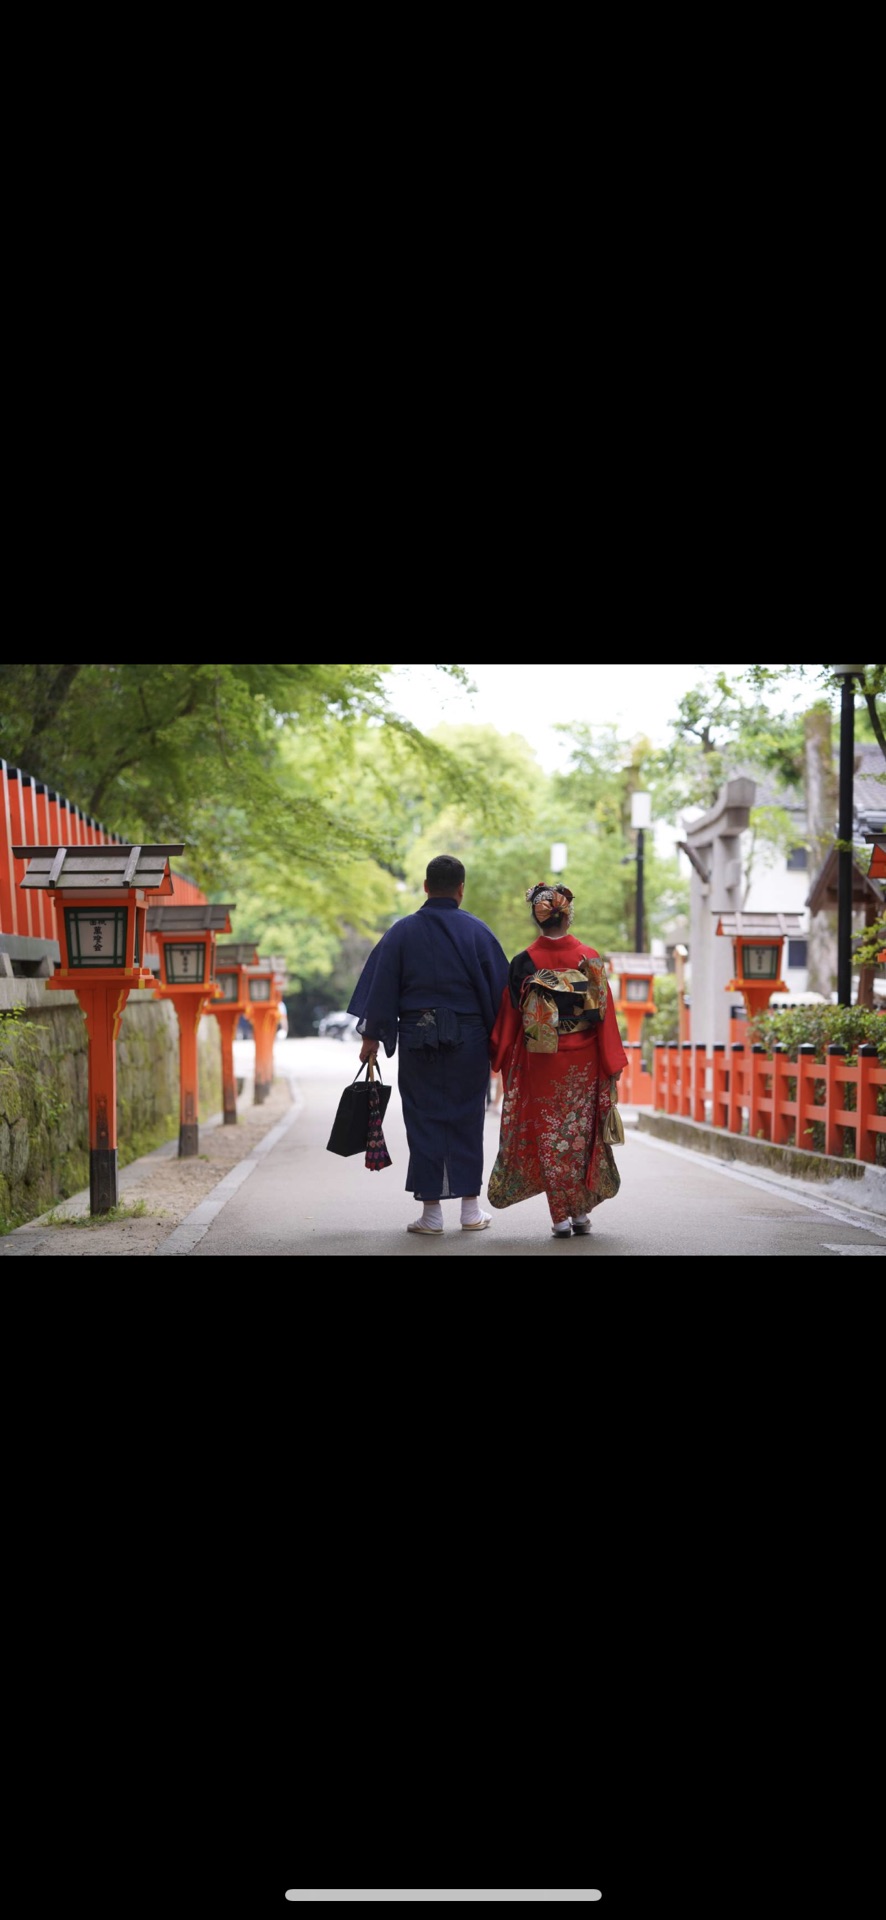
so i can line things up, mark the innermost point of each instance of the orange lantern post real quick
(279, 991)
(264, 986)
(186, 939)
(231, 963)
(100, 895)
(757, 941)
(636, 972)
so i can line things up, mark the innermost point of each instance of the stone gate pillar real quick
(713, 848)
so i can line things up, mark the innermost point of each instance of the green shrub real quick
(820, 1027)
(823, 1027)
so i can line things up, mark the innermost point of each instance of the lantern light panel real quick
(760, 963)
(96, 936)
(185, 962)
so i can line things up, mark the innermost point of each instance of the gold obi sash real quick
(562, 1000)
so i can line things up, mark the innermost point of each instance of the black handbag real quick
(350, 1128)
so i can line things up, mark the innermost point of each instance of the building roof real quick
(869, 786)
(824, 893)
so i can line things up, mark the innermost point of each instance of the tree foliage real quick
(870, 688)
(294, 779)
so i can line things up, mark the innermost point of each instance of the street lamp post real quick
(641, 818)
(844, 833)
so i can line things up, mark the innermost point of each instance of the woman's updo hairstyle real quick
(550, 907)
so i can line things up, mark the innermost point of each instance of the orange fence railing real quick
(830, 1105)
(635, 1085)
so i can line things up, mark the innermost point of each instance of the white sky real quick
(525, 697)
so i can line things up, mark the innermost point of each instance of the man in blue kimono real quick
(434, 982)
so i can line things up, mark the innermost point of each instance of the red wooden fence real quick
(32, 816)
(769, 1096)
(635, 1085)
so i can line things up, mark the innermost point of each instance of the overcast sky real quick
(525, 698)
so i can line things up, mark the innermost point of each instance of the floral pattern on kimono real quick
(554, 1103)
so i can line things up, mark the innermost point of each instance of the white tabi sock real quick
(471, 1210)
(432, 1214)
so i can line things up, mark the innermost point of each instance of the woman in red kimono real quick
(557, 1046)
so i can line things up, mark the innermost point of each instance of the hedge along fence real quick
(813, 1078)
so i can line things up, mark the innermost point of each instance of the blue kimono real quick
(434, 982)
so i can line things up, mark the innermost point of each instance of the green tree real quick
(586, 808)
(870, 691)
(297, 779)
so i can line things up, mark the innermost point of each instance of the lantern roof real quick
(761, 926)
(197, 919)
(637, 963)
(243, 953)
(100, 869)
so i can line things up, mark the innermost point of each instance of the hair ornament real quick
(549, 902)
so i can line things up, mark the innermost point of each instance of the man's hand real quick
(368, 1049)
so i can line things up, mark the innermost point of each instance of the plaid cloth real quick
(377, 1155)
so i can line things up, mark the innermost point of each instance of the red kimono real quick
(554, 1103)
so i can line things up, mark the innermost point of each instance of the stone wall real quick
(44, 1091)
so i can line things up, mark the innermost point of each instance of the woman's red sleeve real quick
(612, 1054)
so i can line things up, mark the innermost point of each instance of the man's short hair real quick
(445, 874)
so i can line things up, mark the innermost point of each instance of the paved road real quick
(293, 1197)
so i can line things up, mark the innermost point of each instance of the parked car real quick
(338, 1026)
